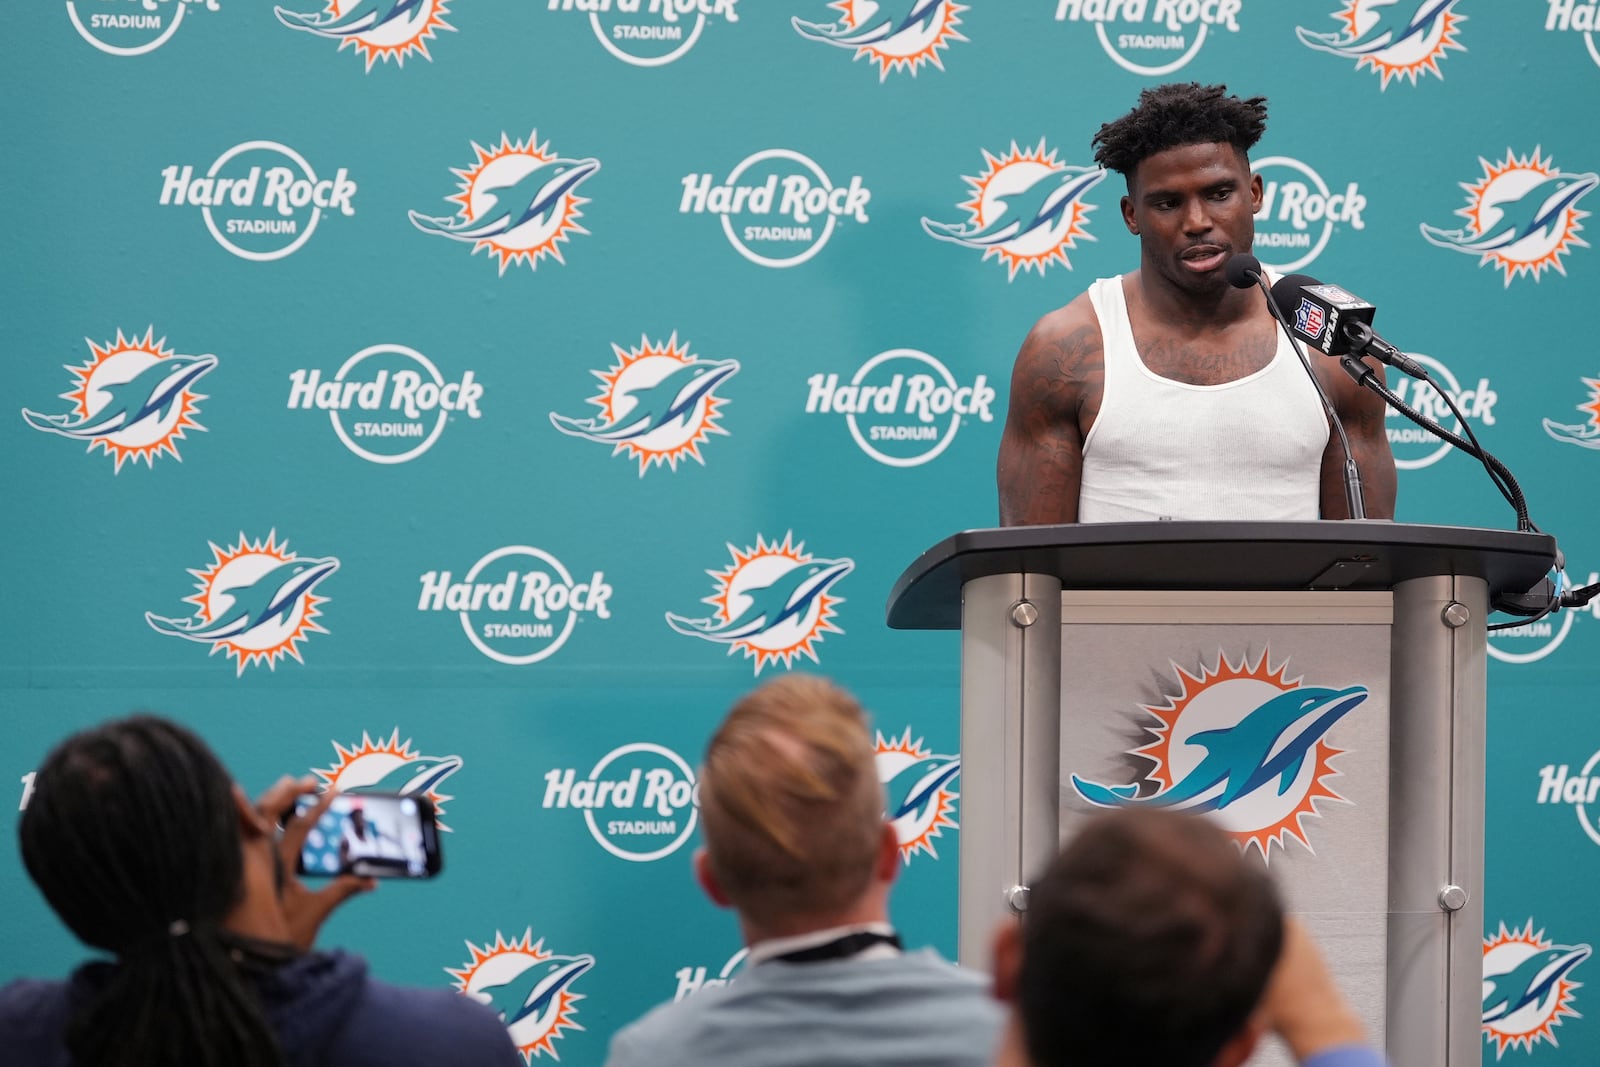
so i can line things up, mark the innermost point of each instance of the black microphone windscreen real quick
(1288, 287)
(1242, 270)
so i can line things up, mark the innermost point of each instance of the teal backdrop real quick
(424, 394)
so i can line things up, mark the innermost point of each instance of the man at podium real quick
(1167, 393)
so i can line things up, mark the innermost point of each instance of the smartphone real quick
(376, 835)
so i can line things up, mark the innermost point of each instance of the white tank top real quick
(1250, 449)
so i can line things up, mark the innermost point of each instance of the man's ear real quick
(1242, 1044)
(1257, 192)
(886, 866)
(1007, 953)
(252, 824)
(708, 879)
(1127, 216)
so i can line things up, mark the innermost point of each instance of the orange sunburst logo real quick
(389, 766)
(1026, 209)
(894, 36)
(772, 602)
(1396, 40)
(1522, 215)
(919, 795)
(255, 602)
(376, 29)
(657, 403)
(528, 986)
(518, 200)
(1265, 763)
(132, 399)
(1526, 991)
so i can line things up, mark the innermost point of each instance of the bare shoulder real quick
(1062, 352)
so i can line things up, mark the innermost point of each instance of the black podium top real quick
(1360, 554)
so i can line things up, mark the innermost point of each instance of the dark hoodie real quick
(326, 1011)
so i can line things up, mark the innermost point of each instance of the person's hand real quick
(304, 909)
(1302, 1002)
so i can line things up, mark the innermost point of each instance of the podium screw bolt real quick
(1017, 899)
(1024, 614)
(1456, 615)
(1453, 898)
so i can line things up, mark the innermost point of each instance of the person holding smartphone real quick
(146, 849)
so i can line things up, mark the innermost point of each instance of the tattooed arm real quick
(1362, 412)
(1055, 390)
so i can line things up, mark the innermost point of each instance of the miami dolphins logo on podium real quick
(256, 602)
(376, 29)
(1585, 434)
(1526, 988)
(658, 403)
(389, 766)
(773, 602)
(1027, 210)
(133, 399)
(1243, 743)
(919, 791)
(1396, 39)
(895, 34)
(518, 201)
(1522, 215)
(530, 988)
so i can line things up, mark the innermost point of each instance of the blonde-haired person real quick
(796, 842)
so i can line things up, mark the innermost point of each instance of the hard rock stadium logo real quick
(518, 201)
(375, 29)
(1414, 447)
(903, 407)
(919, 791)
(528, 986)
(255, 602)
(133, 398)
(1527, 990)
(1576, 16)
(778, 207)
(387, 403)
(518, 604)
(894, 34)
(692, 980)
(1244, 743)
(649, 33)
(1585, 434)
(640, 802)
(1396, 39)
(1152, 39)
(1299, 213)
(389, 766)
(257, 205)
(773, 602)
(1026, 210)
(658, 403)
(1522, 215)
(131, 27)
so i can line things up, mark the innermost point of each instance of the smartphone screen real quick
(378, 835)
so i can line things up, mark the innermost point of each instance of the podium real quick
(1089, 653)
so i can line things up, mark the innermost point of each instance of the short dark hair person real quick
(1171, 116)
(1147, 942)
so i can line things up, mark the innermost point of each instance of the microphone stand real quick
(1354, 502)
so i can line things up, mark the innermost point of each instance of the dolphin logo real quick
(414, 777)
(537, 195)
(1387, 32)
(1041, 205)
(789, 596)
(1539, 210)
(917, 786)
(536, 992)
(151, 393)
(1584, 435)
(671, 400)
(1534, 981)
(271, 597)
(363, 17)
(888, 21)
(1270, 742)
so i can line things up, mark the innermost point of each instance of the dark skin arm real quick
(1055, 387)
(1361, 412)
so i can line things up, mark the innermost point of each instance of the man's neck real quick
(873, 909)
(1171, 306)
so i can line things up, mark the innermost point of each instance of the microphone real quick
(1244, 271)
(1337, 323)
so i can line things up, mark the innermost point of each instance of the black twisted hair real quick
(133, 838)
(1177, 114)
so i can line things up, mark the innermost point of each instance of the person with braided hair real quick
(146, 849)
